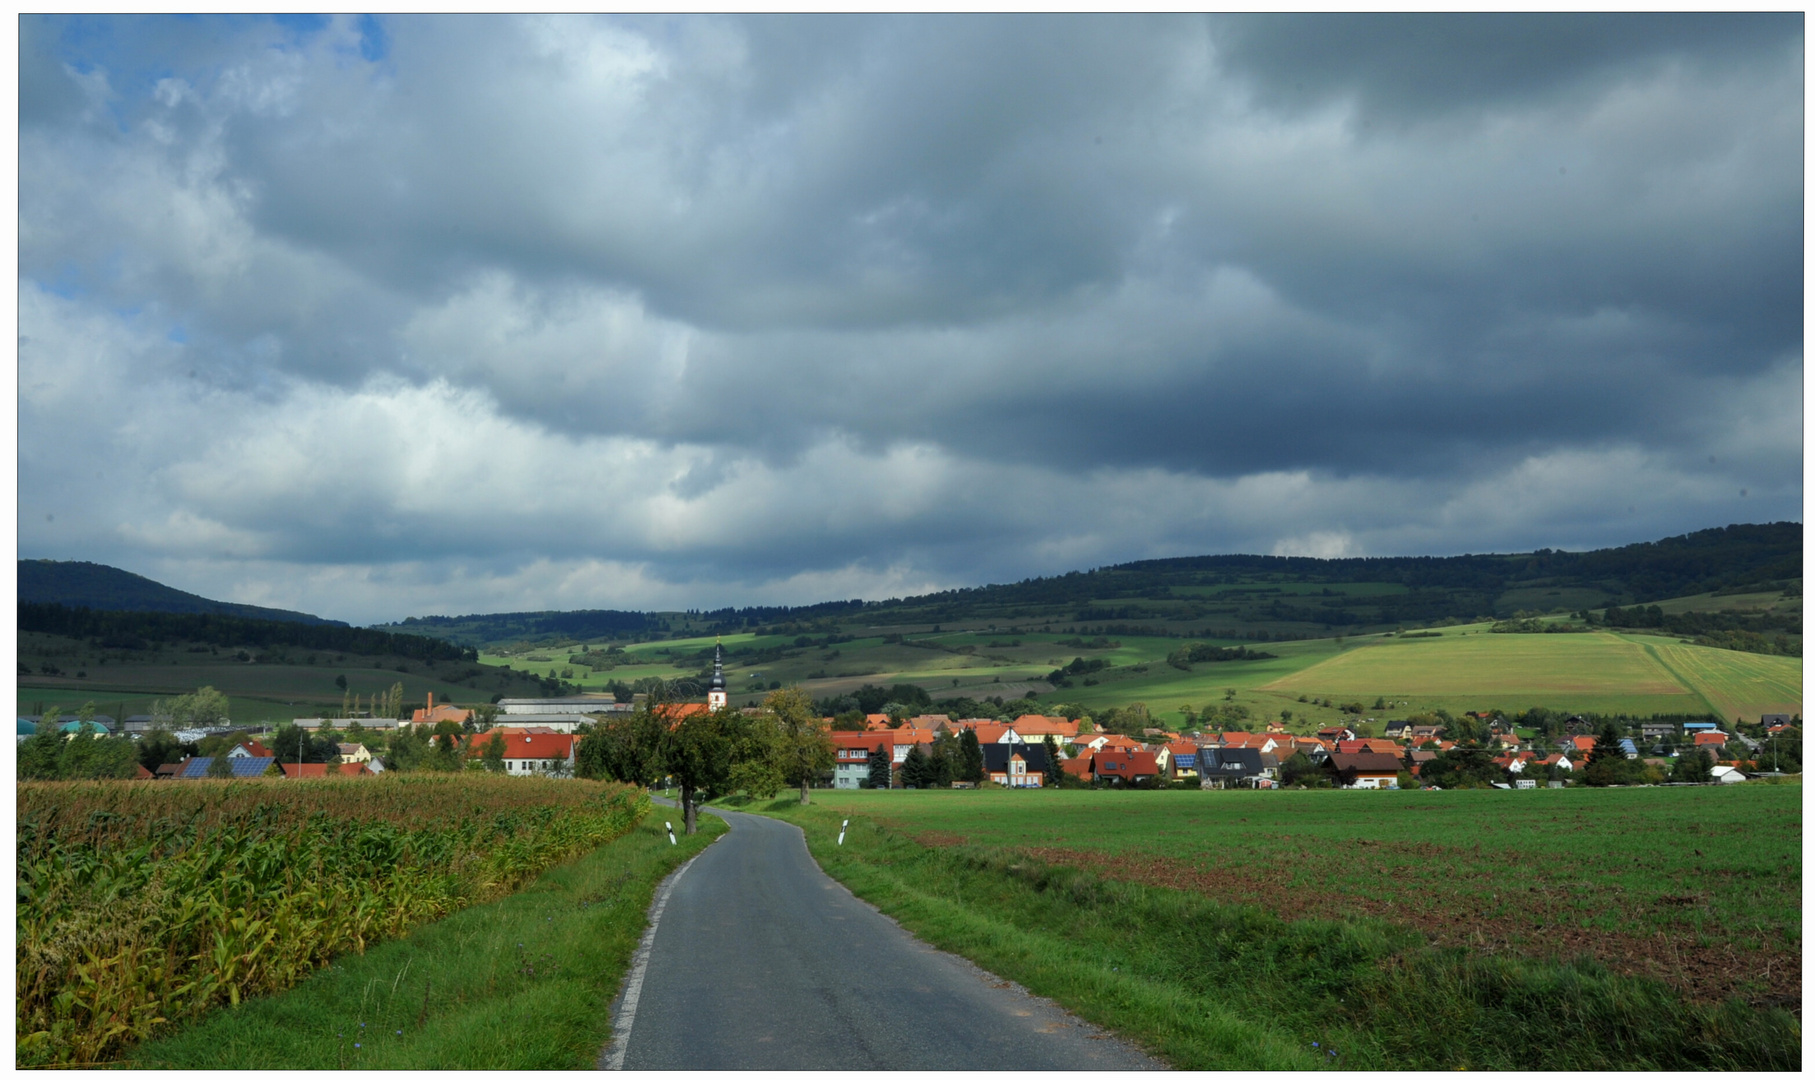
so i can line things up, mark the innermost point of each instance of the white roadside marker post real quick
(670, 825)
(841, 829)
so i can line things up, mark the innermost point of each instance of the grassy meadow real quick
(1660, 927)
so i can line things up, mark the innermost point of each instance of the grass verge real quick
(523, 983)
(1211, 985)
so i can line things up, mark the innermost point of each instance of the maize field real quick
(146, 904)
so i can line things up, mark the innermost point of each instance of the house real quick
(434, 713)
(933, 722)
(1123, 766)
(1182, 757)
(244, 768)
(1335, 734)
(1079, 766)
(1581, 744)
(530, 755)
(1035, 728)
(851, 756)
(1727, 774)
(1363, 746)
(1231, 766)
(352, 752)
(1713, 740)
(1657, 731)
(1630, 749)
(1365, 770)
(1693, 726)
(1265, 744)
(172, 770)
(250, 750)
(1428, 731)
(1398, 729)
(1415, 759)
(1015, 765)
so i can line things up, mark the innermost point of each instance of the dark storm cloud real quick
(1421, 66)
(814, 305)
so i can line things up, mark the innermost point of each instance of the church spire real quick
(716, 697)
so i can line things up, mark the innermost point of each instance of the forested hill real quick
(105, 588)
(1258, 597)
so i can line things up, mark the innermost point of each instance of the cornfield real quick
(144, 904)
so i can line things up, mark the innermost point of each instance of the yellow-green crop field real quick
(1597, 672)
(145, 905)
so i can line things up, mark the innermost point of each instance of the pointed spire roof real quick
(718, 667)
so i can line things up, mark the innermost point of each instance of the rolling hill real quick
(105, 588)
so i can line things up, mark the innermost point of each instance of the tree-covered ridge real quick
(145, 629)
(106, 588)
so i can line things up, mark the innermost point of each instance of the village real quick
(541, 737)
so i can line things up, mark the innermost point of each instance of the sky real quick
(379, 317)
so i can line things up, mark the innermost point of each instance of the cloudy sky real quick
(374, 318)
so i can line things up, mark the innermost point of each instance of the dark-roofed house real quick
(1232, 766)
(244, 768)
(1398, 729)
(1015, 764)
(1365, 770)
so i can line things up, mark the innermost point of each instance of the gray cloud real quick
(783, 308)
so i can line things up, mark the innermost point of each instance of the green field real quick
(1575, 929)
(1698, 887)
(1602, 672)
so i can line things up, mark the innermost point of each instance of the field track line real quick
(1683, 680)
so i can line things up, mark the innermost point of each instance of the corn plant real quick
(140, 905)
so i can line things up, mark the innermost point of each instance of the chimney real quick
(431, 701)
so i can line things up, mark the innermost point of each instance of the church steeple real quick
(716, 698)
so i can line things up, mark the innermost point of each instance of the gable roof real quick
(196, 768)
(1365, 762)
(526, 746)
(996, 756)
(258, 749)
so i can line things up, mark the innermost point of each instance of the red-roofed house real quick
(249, 750)
(1366, 770)
(851, 755)
(1716, 739)
(530, 755)
(1249, 740)
(1123, 766)
(434, 714)
(1034, 728)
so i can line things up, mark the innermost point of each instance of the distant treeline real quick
(148, 629)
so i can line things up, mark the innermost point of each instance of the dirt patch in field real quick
(1702, 972)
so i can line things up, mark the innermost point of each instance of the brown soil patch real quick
(1703, 973)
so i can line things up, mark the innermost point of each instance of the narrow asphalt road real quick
(761, 961)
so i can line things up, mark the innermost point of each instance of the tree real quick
(207, 707)
(941, 761)
(1607, 764)
(1461, 767)
(315, 749)
(41, 756)
(626, 747)
(914, 768)
(493, 754)
(159, 747)
(1296, 769)
(1055, 764)
(697, 753)
(849, 720)
(220, 768)
(882, 768)
(971, 755)
(1695, 767)
(805, 746)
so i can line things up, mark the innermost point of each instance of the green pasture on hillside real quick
(1698, 886)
